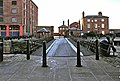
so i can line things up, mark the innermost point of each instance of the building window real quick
(96, 26)
(3, 28)
(14, 11)
(103, 32)
(88, 31)
(1, 19)
(103, 26)
(1, 3)
(102, 20)
(88, 20)
(14, 2)
(88, 25)
(14, 19)
(1, 11)
(95, 20)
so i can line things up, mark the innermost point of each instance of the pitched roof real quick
(62, 26)
(73, 28)
(43, 30)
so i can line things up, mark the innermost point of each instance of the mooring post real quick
(44, 55)
(97, 51)
(1, 51)
(78, 55)
(28, 50)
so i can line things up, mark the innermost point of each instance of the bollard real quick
(28, 50)
(97, 52)
(1, 51)
(44, 55)
(78, 55)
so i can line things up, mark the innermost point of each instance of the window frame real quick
(14, 2)
(103, 25)
(102, 20)
(88, 20)
(12, 11)
(88, 25)
(1, 9)
(14, 19)
(1, 19)
(1, 5)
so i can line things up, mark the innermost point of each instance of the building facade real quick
(49, 33)
(62, 29)
(114, 31)
(74, 29)
(18, 17)
(96, 23)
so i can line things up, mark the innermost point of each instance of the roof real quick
(95, 16)
(43, 30)
(62, 26)
(74, 28)
(74, 24)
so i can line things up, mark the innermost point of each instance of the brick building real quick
(96, 23)
(63, 29)
(49, 31)
(114, 31)
(74, 29)
(18, 17)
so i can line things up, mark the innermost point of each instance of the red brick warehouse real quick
(18, 17)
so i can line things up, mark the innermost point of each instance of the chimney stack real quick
(63, 22)
(83, 14)
(68, 22)
(79, 25)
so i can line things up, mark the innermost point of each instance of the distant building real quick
(18, 17)
(114, 31)
(47, 31)
(74, 29)
(96, 23)
(62, 29)
(71, 30)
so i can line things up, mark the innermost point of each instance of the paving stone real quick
(83, 79)
(59, 69)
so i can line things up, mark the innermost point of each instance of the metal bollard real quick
(44, 55)
(1, 51)
(28, 50)
(78, 55)
(97, 52)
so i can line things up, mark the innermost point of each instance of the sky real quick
(54, 12)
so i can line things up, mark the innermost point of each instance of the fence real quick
(21, 46)
(103, 48)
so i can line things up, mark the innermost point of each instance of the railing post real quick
(44, 55)
(28, 50)
(97, 51)
(78, 55)
(1, 51)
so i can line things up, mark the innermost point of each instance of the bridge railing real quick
(21, 46)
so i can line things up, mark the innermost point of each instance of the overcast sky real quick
(53, 12)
